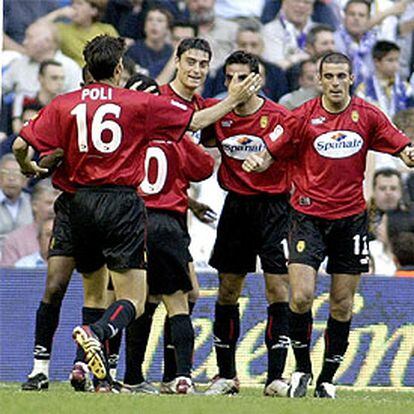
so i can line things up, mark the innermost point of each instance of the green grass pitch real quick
(60, 399)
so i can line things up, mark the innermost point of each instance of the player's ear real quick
(352, 78)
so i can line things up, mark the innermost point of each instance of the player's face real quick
(242, 70)
(389, 65)
(336, 81)
(356, 19)
(192, 68)
(387, 192)
(11, 179)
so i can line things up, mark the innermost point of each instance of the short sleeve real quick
(167, 118)
(283, 139)
(43, 132)
(386, 137)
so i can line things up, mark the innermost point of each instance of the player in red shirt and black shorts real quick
(253, 223)
(103, 131)
(164, 191)
(329, 145)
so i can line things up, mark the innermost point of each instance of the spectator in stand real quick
(356, 38)
(250, 40)
(127, 16)
(24, 240)
(84, 25)
(41, 43)
(15, 208)
(385, 88)
(406, 42)
(320, 40)
(38, 259)
(236, 9)
(403, 250)
(18, 16)
(285, 36)
(51, 79)
(30, 110)
(154, 52)
(220, 33)
(308, 86)
(404, 120)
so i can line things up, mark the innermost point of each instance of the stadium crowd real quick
(43, 49)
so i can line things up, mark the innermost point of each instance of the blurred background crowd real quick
(42, 58)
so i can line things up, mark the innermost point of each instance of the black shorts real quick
(61, 243)
(108, 227)
(168, 255)
(251, 226)
(344, 241)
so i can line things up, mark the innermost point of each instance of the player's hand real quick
(202, 211)
(32, 169)
(50, 162)
(241, 91)
(407, 155)
(258, 162)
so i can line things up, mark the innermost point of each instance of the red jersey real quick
(104, 132)
(237, 137)
(330, 155)
(169, 168)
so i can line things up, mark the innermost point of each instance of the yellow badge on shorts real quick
(264, 121)
(355, 116)
(52, 243)
(300, 246)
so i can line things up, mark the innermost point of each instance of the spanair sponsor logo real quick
(240, 146)
(338, 144)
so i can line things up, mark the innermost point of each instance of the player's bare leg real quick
(342, 294)
(302, 280)
(59, 272)
(277, 332)
(226, 333)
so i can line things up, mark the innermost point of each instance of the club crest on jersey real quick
(300, 246)
(338, 144)
(240, 146)
(355, 116)
(318, 121)
(264, 121)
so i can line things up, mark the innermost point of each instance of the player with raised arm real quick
(103, 131)
(329, 145)
(253, 223)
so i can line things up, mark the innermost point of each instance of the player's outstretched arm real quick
(407, 155)
(21, 150)
(239, 92)
(258, 162)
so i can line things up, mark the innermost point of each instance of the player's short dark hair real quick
(382, 48)
(162, 10)
(145, 80)
(102, 54)
(402, 245)
(386, 172)
(336, 58)
(243, 58)
(185, 24)
(194, 43)
(48, 62)
(365, 2)
(315, 30)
